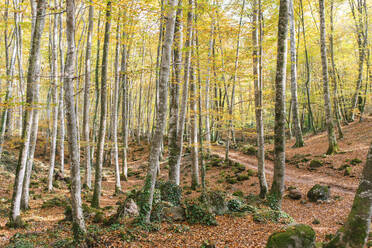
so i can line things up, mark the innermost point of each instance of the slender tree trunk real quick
(277, 187)
(333, 77)
(332, 142)
(54, 81)
(258, 105)
(102, 128)
(174, 170)
(149, 187)
(115, 113)
(295, 115)
(88, 169)
(71, 116)
(194, 131)
(61, 110)
(125, 109)
(185, 88)
(32, 76)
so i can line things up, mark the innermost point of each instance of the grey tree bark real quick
(86, 128)
(174, 170)
(294, 100)
(32, 77)
(71, 117)
(194, 129)
(54, 82)
(149, 187)
(258, 104)
(332, 141)
(277, 187)
(102, 128)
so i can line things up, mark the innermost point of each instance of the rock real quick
(297, 236)
(174, 213)
(130, 208)
(59, 176)
(295, 194)
(315, 164)
(319, 192)
(216, 202)
(170, 192)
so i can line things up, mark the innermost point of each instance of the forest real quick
(185, 123)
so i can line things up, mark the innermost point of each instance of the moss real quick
(199, 214)
(265, 215)
(170, 192)
(319, 192)
(99, 217)
(297, 236)
(55, 202)
(238, 194)
(249, 150)
(316, 163)
(242, 177)
(355, 161)
(348, 171)
(215, 201)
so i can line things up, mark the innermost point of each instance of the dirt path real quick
(293, 174)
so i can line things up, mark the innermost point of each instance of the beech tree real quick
(32, 77)
(149, 187)
(277, 187)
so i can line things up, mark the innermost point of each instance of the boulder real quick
(216, 202)
(174, 213)
(319, 192)
(295, 194)
(315, 164)
(296, 236)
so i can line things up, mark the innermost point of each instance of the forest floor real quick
(46, 228)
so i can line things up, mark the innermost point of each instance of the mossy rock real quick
(319, 192)
(55, 202)
(231, 179)
(264, 215)
(99, 217)
(343, 167)
(297, 236)
(238, 167)
(171, 192)
(355, 161)
(215, 161)
(249, 150)
(216, 202)
(316, 164)
(244, 177)
(199, 214)
(238, 194)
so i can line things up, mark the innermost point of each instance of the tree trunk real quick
(102, 128)
(332, 142)
(88, 169)
(354, 233)
(277, 187)
(258, 104)
(54, 82)
(149, 187)
(32, 76)
(71, 116)
(174, 170)
(194, 131)
(295, 115)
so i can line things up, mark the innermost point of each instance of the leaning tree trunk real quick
(88, 169)
(277, 187)
(102, 128)
(32, 76)
(71, 116)
(258, 105)
(332, 142)
(149, 187)
(354, 233)
(174, 170)
(295, 115)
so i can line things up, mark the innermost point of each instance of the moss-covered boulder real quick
(249, 150)
(216, 202)
(316, 164)
(297, 236)
(319, 192)
(171, 192)
(197, 213)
